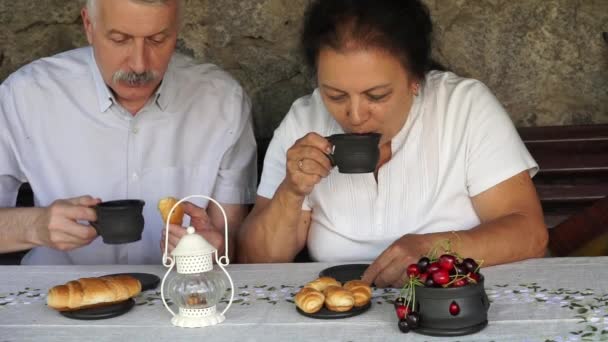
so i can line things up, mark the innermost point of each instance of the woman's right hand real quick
(307, 163)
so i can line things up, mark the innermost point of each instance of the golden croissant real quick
(165, 205)
(320, 284)
(360, 290)
(309, 300)
(338, 299)
(93, 292)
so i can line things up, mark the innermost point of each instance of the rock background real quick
(544, 59)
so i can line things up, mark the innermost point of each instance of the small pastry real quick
(338, 299)
(360, 290)
(165, 205)
(320, 284)
(309, 300)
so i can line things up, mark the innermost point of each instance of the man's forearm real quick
(18, 228)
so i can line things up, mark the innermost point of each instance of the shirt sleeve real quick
(11, 176)
(495, 151)
(274, 170)
(237, 175)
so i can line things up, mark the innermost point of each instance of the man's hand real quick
(201, 222)
(59, 228)
(389, 269)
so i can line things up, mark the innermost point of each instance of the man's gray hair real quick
(91, 6)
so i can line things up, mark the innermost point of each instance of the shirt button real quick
(135, 130)
(135, 176)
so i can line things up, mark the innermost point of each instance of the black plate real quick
(325, 313)
(148, 281)
(102, 312)
(344, 273)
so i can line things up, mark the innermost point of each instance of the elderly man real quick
(124, 118)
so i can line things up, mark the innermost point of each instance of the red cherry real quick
(402, 311)
(474, 277)
(433, 267)
(423, 277)
(454, 309)
(447, 262)
(441, 277)
(471, 265)
(460, 282)
(413, 270)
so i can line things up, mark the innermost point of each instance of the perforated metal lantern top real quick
(193, 254)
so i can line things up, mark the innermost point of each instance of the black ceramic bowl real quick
(433, 306)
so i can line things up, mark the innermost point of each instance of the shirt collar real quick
(166, 90)
(106, 99)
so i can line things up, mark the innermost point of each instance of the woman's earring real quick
(416, 88)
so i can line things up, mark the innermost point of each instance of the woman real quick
(452, 165)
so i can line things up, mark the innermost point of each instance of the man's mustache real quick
(133, 78)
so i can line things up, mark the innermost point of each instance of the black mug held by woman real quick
(354, 152)
(119, 221)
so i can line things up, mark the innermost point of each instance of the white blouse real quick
(457, 142)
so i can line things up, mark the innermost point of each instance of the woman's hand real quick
(307, 163)
(389, 269)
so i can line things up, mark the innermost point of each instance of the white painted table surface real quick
(550, 299)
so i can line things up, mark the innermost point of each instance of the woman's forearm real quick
(506, 239)
(270, 232)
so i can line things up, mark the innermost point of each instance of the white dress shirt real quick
(62, 131)
(457, 142)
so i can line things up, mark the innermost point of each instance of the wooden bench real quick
(572, 184)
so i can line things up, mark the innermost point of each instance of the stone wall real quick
(545, 59)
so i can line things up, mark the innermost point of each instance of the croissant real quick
(320, 284)
(360, 290)
(165, 205)
(93, 292)
(338, 299)
(309, 300)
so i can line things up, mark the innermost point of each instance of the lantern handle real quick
(162, 285)
(223, 260)
(231, 283)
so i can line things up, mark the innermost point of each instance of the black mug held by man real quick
(354, 152)
(119, 221)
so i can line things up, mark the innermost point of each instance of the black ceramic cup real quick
(355, 153)
(119, 221)
(433, 305)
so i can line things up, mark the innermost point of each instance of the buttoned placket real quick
(380, 203)
(133, 175)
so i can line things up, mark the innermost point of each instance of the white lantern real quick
(197, 288)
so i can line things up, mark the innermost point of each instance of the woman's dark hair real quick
(400, 27)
